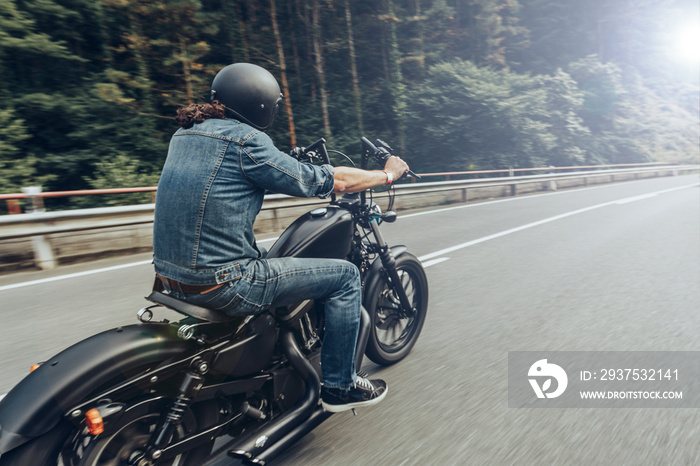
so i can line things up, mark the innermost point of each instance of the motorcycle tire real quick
(116, 446)
(392, 334)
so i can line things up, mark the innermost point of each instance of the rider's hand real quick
(396, 166)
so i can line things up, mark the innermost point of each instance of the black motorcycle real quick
(160, 393)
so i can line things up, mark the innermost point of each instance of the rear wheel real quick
(122, 441)
(43, 450)
(392, 333)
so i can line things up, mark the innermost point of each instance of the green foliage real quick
(16, 170)
(628, 121)
(497, 119)
(121, 171)
(572, 138)
(90, 88)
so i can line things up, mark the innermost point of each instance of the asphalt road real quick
(614, 267)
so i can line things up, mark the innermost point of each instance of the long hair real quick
(197, 113)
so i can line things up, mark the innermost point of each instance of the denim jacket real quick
(210, 191)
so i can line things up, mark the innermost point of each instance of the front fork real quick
(389, 264)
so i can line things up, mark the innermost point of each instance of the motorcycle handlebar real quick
(379, 152)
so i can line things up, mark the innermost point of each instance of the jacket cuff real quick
(328, 186)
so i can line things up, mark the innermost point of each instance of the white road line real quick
(532, 196)
(442, 252)
(434, 261)
(89, 272)
(495, 201)
(508, 199)
(423, 258)
(636, 198)
(73, 275)
(500, 234)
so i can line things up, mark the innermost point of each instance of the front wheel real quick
(392, 333)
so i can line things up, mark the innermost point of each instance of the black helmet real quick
(249, 92)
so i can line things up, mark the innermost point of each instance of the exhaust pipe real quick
(318, 415)
(256, 442)
(316, 418)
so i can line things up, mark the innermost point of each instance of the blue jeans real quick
(289, 280)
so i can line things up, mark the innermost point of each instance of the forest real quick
(89, 88)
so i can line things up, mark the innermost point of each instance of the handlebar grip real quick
(384, 145)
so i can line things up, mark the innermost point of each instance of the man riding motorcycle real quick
(219, 165)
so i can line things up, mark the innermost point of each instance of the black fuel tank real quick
(325, 232)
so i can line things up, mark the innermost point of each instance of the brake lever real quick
(382, 144)
(409, 173)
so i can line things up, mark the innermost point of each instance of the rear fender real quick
(42, 399)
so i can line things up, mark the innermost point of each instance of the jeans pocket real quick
(213, 296)
(237, 305)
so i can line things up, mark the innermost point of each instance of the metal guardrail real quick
(36, 196)
(550, 169)
(43, 223)
(278, 208)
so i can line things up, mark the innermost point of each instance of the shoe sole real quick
(349, 406)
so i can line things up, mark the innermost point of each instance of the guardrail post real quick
(275, 220)
(44, 257)
(36, 203)
(552, 183)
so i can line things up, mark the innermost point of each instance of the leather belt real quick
(185, 288)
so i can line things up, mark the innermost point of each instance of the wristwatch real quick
(389, 177)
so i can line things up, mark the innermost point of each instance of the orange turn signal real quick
(94, 422)
(34, 367)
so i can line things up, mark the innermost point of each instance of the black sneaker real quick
(363, 393)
